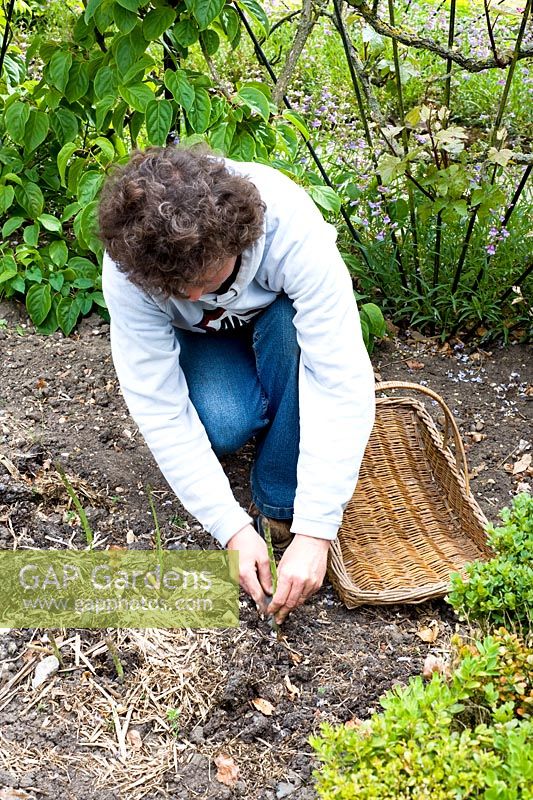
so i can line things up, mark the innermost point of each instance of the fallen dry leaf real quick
(264, 706)
(227, 770)
(15, 794)
(476, 470)
(522, 464)
(412, 364)
(428, 633)
(291, 688)
(433, 664)
(354, 722)
(134, 739)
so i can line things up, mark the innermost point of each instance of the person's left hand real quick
(300, 574)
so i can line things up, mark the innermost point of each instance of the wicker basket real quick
(412, 519)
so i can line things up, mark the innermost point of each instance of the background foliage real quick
(418, 159)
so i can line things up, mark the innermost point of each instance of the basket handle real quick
(450, 423)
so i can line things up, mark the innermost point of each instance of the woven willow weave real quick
(412, 519)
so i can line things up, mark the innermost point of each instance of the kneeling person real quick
(232, 317)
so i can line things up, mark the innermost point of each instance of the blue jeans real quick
(245, 384)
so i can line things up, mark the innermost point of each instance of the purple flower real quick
(380, 236)
(491, 249)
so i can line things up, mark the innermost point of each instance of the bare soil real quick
(191, 696)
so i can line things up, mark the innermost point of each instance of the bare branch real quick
(425, 43)
(305, 26)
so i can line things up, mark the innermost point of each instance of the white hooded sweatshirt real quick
(296, 255)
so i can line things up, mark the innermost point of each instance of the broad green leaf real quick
(231, 23)
(68, 311)
(178, 83)
(16, 117)
(30, 197)
(69, 211)
(138, 69)
(7, 195)
(57, 279)
(59, 254)
(131, 5)
(125, 57)
(257, 11)
(374, 318)
(102, 109)
(11, 225)
(92, 5)
(119, 115)
(98, 298)
(210, 41)
(221, 137)
(105, 82)
(205, 11)
(78, 81)
(137, 96)
(326, 197)
(200, 113)
(63, 158)
(58, 69)
(49, 324)
(10, 176)
(89, 185)
(64, 123)
(298, 121)
(88, 226)
(124, 20)
(255, 100)
(186, 32)
(38, 302)
(157, 21)
(37, 129)
(243, 147)
(31, 234)
(105, 147)
(391, 167)
(50, 222)
(83, 283)
(135, 124)
(159, 115)
(8, 268)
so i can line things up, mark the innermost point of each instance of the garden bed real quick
(192, 696)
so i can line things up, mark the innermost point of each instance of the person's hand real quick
(254, 566)
(300, 574)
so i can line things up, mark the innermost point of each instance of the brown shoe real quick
(280, 531)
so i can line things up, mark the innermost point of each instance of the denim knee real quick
(229, 425)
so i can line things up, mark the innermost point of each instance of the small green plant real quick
(115, 657)
(173, 719)
(500, 591)
(372, 324)
(89, 536)
(497, 671)
(418, 747)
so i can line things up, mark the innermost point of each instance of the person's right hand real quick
(254, 566)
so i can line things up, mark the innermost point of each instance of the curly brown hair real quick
(171, 215)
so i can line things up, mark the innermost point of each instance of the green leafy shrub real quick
(497, 671)
(124, 74)
(500, 591)
(418, 748)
